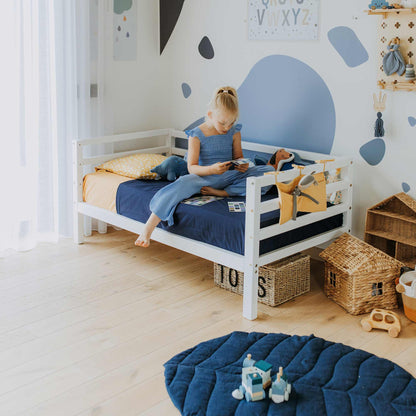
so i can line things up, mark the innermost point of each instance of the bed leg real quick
(87, 226)
(78, 228)
(102, 227)
(251, 282)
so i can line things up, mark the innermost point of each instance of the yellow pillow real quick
(134, 166)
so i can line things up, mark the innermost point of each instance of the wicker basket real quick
(360, 277)
(278, 282)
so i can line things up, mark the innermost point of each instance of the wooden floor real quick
(85, 330)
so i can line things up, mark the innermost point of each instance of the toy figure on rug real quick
(212, 146)
(255, 378)
(281, 388)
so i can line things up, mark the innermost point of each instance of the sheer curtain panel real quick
(53, 50)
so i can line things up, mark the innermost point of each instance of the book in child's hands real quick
(242, 161)
(236, 206)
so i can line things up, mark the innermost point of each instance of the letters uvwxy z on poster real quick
(283, 19)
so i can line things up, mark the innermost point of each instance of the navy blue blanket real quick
(212, 223)
(327, 378)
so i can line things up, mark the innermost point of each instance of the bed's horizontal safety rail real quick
(306, 219)
(178, 134)
(273, 204)
(123, 137)
(109, 156)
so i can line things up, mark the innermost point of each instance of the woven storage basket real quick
(278, 282)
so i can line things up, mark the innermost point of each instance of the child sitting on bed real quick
(211, 147)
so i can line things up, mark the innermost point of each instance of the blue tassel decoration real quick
(378, 128)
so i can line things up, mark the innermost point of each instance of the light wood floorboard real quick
(85, 329)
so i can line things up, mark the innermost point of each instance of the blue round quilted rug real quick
(327, 378)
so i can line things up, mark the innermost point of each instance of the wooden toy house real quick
(391, 227)
(360, 277)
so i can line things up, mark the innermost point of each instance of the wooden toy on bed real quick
(251, 258)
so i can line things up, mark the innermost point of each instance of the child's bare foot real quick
(143, 240)
(208, 190)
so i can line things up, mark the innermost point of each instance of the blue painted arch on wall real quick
(285, 103)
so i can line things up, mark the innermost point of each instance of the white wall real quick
(139, 91)
(147, 93)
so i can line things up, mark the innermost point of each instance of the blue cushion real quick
(327, 378)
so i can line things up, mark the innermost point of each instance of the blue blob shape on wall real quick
(405, 187)
(347, 44)
(285, 103)
(373, 152)
(186, 90)
(205, 48)
(412, 121)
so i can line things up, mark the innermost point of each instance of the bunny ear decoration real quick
(380, 102)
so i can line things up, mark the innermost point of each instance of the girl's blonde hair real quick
(225, 98)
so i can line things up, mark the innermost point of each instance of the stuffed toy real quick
(282, 160)
(393, 60)
(171, 168)
(378, 4)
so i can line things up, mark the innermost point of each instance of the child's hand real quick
(220, 167)
(242, 168)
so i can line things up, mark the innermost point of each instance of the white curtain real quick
(54, 57)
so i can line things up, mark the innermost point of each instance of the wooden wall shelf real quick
(396, 23)
(388, 12)
(398, 86)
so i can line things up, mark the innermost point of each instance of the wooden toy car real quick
(382, 319)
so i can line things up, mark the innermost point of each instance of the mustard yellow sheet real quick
(100, 189)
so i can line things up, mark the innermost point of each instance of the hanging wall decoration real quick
(283, 19)
(125, 30)
(379, 106)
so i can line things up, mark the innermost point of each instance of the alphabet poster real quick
(283, 19)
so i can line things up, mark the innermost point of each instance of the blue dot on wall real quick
(205, 48)
(412, 121)
(347, 44)
(373, 152)
(405, 187)
(186, 90)
(285, 103)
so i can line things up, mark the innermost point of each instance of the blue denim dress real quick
(213, 149)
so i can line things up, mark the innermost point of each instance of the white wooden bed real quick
(250, 262)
